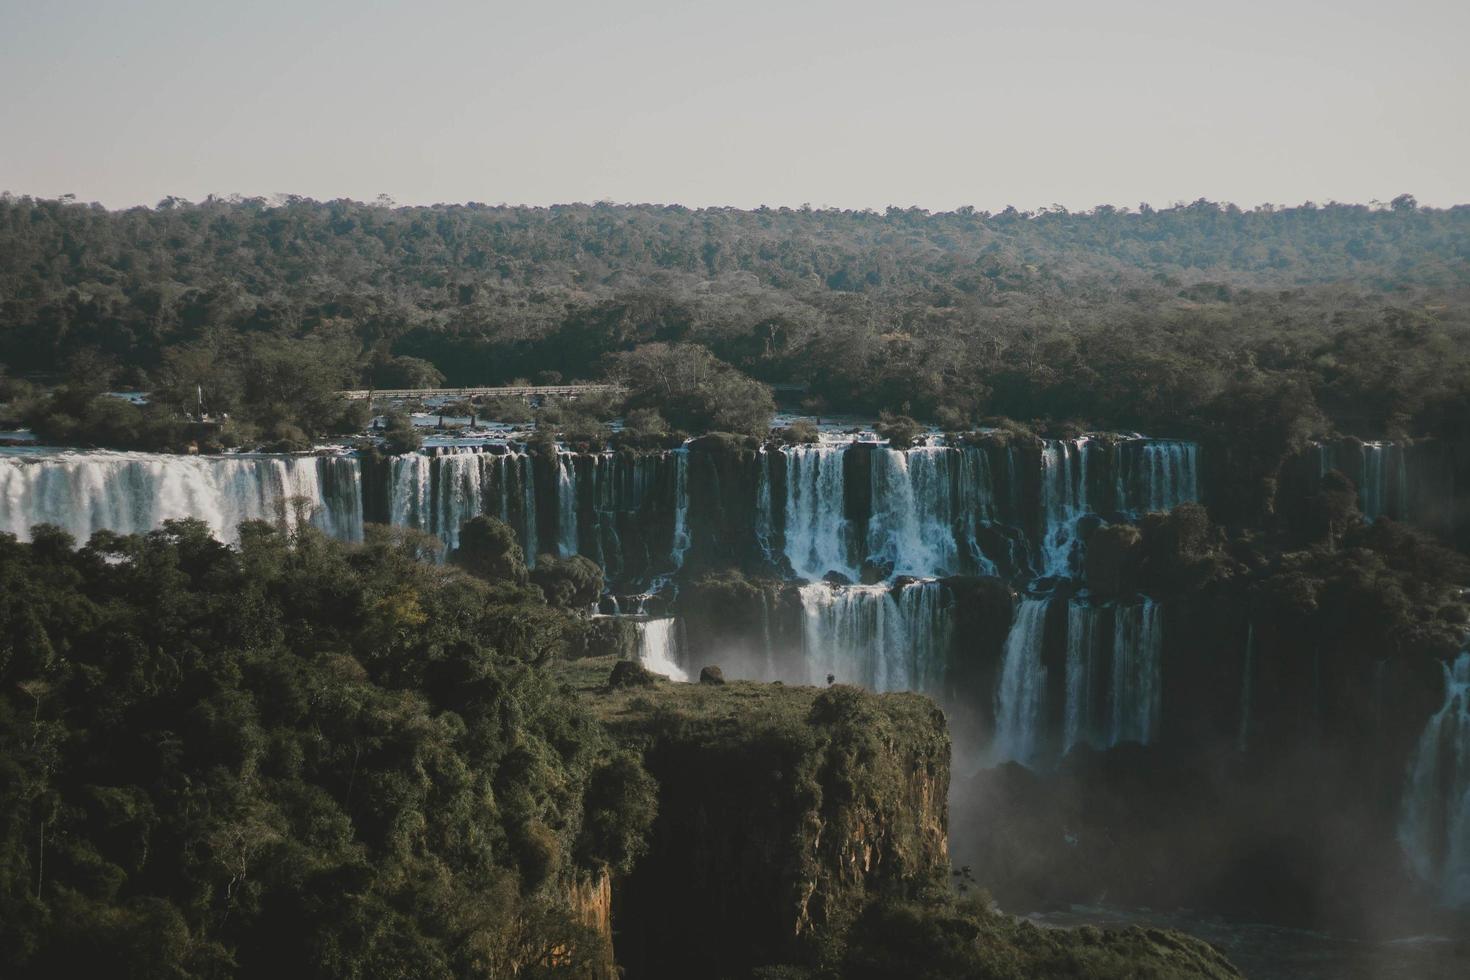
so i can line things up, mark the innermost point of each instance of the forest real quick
(1185, 320)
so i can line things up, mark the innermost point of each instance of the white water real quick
(1113, 679)
(1381, 476)
(1084, 655)
(1434, 827)
(911, 524)
(1157, 475)
(681, 507)
(764, 521)
(137, 492)
(867, 635)
(566, 504)
(439, 493)
(816, 522)
(1020, 703)
(1137, 693)
(658, 648)
(1063, 502)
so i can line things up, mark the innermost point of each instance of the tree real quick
(488, 549)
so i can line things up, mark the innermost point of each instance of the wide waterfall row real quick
(137, 492)
(1435, 825)
(439, 493)
(881, 638)
(866, 512)
(1106, 690)
(626, 512)
(629, 513)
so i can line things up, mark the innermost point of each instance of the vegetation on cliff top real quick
(294, 756)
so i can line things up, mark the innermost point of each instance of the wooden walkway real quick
(519, 391)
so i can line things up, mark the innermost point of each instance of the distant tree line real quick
(1194, 317)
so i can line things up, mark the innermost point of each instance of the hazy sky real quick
(742, 102)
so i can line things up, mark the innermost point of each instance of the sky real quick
(854, 104)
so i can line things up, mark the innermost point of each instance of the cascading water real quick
(1137, 691)
(681, 507)
(1247, 689)
(864, 634)
(658, 647)
(764, 520)
(566, 505)
(1063, 502)
(911, 526)
(1020, 703)
(439, 493)
(1113, 679)
(136, 492)
(816, 522)
(1434, 826)
(1082, 722)
(1156, 475)
(1381, 475)
(1383, 481)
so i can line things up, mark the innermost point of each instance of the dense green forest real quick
(1191, 318)
(297, 757)
(351, 751)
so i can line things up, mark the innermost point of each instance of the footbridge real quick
(511, 391)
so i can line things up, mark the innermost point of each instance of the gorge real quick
(1059, 597)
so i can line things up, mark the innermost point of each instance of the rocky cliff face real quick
(782, 812)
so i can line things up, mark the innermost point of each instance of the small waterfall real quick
(1247, 687)
(816, 522)
(1383, 481)
(911, 527)
(1063, 502)
(1137, 673)
(566, 505)
(1434, 827)
(132, 493)
(1165, 474)
(1020, 703)
(658, 648)
(681, 507)
(864, 634)
(975, 501)
(763, 516)
(1082, 722)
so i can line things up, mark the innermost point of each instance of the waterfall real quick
(1063, 501)
(1434, 826)
(681, 508)
(136, 492)
(816, 522)
(763, 516)
(1020, 703)
(1247, 686)
(1383, 481)
(1155, 475)
(1081, 723)
(911, 526)
(566, 504)
(863, 634)
(1137, 673)
(658, 647)
(975, 495)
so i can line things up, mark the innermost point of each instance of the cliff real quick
(782, 812)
